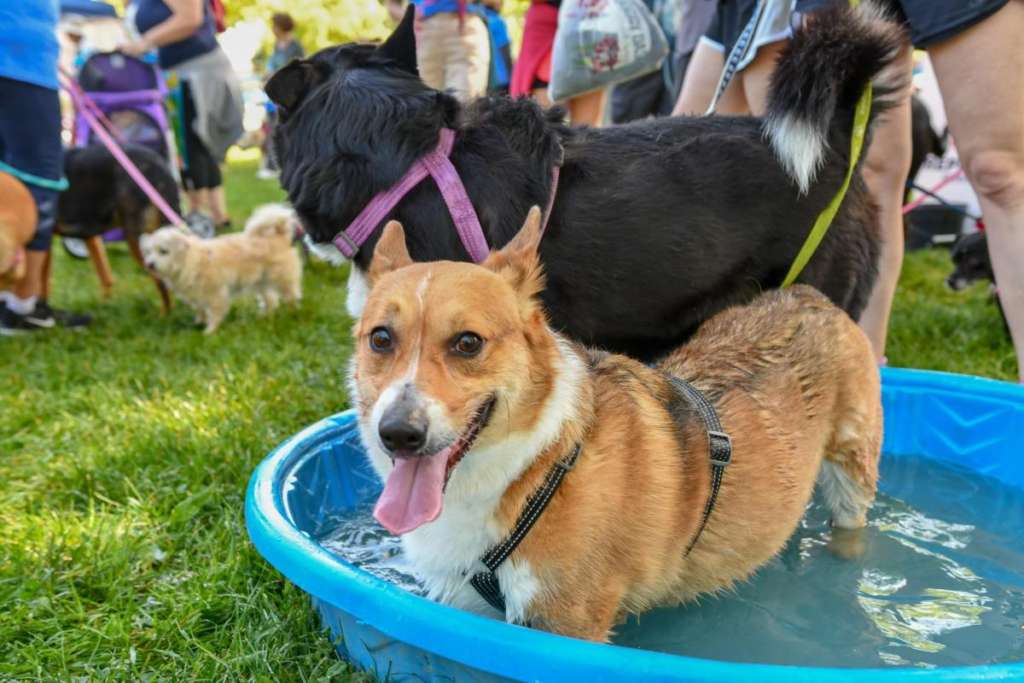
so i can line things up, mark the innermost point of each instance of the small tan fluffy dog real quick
(210, 274)
(467, 399)
(17, 225)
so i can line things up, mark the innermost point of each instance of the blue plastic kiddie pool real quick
(321, 472)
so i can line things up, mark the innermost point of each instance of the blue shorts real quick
(30, 142)
(929, 21)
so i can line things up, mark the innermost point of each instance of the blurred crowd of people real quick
(182, 36)
(464, 47)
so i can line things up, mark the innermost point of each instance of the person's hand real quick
(136, 48)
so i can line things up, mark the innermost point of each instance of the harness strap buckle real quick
(565, 466)
(721, 448)
(567, 463)
(345, 244)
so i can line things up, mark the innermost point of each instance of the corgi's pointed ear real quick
(519, 261)
(390, 253)
(401, 44)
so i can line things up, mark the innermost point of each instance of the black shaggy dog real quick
(656, 225)
(101, 196)
(972, 263)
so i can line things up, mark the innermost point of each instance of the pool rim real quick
(512, 651)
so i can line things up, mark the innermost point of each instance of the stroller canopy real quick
(130, 94)
(116, 72)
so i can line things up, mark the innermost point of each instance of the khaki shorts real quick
(454, 60)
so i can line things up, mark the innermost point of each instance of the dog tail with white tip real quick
(819, 79)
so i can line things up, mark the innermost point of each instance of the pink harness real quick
(437, 165)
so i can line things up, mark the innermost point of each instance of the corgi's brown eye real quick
(381, 340)
(468, 344)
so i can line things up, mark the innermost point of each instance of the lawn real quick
(125, 451)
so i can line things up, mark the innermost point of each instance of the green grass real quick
(125, 451)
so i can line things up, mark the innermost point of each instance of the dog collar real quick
(437, 164)
(719, 447)
(486, 582)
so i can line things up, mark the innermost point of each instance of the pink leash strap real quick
(80, 99)
(438, 165)
(350, 240)
(454, 192)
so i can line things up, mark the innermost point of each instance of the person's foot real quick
(13, 324)
(44, 313)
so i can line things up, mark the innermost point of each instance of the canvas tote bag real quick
(602, 42)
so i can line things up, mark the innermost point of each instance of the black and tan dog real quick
(101, 196)
(468, 402)
(656, 225)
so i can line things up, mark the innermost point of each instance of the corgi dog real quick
(17, 225)
(469, 401)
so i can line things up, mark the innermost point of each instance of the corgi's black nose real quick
(402, 431)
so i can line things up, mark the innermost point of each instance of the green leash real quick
(825, 218)
(38, 181)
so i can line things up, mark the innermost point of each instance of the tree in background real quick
(322, 23)
(318, 23)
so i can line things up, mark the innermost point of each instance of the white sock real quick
(20, 306)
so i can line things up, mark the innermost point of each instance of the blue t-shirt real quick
(152, 12)
(28, 41)
(428, 8)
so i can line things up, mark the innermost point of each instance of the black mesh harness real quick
(486, 582)
(719, 446)
(719, 453)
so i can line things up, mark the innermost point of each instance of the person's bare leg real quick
(757, 75)
(218, 204)
(198, 200)
(35, 268)
(699, 81)
(541, 96)
(885, 171)
(981, 77)
(587, 109)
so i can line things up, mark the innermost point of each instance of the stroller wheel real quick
(75, 247)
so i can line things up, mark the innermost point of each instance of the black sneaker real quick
(13, 324)
(43, 312)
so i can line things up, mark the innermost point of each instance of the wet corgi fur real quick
(792, 378)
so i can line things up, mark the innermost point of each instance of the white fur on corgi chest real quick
(446, 554)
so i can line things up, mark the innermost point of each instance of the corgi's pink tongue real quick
(413, 492)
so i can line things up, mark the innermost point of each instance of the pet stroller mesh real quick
(130, 93)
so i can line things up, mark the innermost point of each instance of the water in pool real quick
(941, 583)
